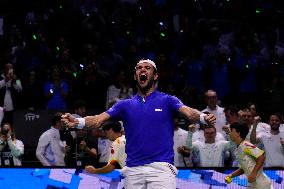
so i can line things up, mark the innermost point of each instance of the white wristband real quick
(201, 118)
(82, 123)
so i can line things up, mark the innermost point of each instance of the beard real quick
(149, 84)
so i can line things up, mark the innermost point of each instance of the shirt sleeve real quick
(252, 150)
(17, 149)
(18, 85)
(116, 110)
(40, 150)
(174, 103)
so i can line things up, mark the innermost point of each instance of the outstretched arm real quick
(105, 169)
(89, 121)
(195, 115)
(238, 172)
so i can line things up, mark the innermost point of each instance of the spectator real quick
(181, 155)
(10, 85)
(56, 91)
(50, 149)
(272, 141)
(119, 90)
(11, 149)
(213, 108)
(209, 153)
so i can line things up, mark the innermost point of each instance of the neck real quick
(146, 92)
(117, 135)
(239, 141)
(275, 132)
(212, 107)
(210, 141)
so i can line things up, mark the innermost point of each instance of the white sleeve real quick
(18, 85)
(16, 149)
(2, 83)
(41, 146)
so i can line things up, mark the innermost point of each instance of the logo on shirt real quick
(158, 109)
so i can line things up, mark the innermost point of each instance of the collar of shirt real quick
(144, 99)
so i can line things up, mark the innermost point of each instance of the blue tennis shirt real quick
(149, 127)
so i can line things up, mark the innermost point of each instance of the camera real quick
(4, 131)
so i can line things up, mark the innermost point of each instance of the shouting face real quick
(145, 75)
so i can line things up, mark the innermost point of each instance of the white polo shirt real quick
(273, 148)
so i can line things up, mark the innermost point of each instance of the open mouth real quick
(143, 77)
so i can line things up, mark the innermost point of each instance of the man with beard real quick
(148, 119)
(272, 141)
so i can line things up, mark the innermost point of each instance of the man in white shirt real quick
(248, 118)
(117, 157)
(272, 141)
(50, 149)
(180, 136)
(213, 108)
(209, 153)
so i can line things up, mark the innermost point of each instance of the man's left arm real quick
(195, 115)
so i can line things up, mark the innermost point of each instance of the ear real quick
(156, 76)
(135, 78)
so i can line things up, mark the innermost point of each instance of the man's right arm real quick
(105, 169)
(89, 121)
(40, 150)
(97, 120)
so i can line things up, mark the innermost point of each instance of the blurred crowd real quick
(55, 52)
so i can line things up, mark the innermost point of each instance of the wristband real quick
(201, 118)
(82, 123)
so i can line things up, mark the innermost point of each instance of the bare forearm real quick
(253, 135)
(97, 120)
(106, 169)
(236, 173)
(258, 164)
(190, 113)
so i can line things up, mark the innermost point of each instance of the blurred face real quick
(211, 99)
(81, 111)
(274, 122)
(234, 135)
(110, 135)
(59, 125)
(252, 109)
(247, 117)
(145, 76)
(210, 135)
(7, 127)
(230, 118)
(81, 133)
